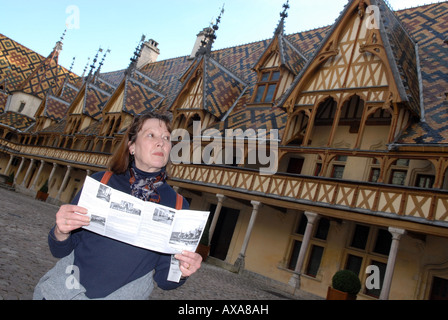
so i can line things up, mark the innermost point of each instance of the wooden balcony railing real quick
(93, 159)
(419, 205)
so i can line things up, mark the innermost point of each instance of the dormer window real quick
(267, 85)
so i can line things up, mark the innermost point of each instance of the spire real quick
(45, 74)
(283, 16)
(210, 36)
(85, 68)
(137, 53)
(67, 75)
(58, 46)
(92, 66)
(101, 63)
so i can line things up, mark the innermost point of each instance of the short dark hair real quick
(120, 160)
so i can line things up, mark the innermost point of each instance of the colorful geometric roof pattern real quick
(166, 74)
(400, 51)
(221, 88)
(230, 80)
(290, 56)
(428, 26)
(402, 54)
(95, 100)
(139, 97)
(3, 99)
(113, 78)
(255, 118)
(68, 92)
(24, 69)
(55, 108)
(57, 127)
(16, 121)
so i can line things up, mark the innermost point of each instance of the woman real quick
(107, 268)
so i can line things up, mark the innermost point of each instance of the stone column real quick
(312, 219)
(396, 236)
(11, 157)
(55, 165)
(42, 163)
(27, 172)
(64, 182)
(20, 169)
(239, 263)
(221, 198)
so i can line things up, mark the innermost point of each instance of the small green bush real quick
(44, 188)
(346, 281)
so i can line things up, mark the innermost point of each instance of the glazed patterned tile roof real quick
(95, 100)
(68, 92)
(428, 26)
(55, 108)
(92, 130)
(221, 88)
(113, 78)
(402, 55)
(140, 93)
(166, 74)
(3, 99)
(157, 84)
(56, 128)
(16, 121)
(24, 69)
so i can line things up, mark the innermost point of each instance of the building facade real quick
(314, 152)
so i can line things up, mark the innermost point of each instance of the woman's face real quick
(152, 147)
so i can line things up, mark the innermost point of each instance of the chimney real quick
(199, 38)
(149, 53)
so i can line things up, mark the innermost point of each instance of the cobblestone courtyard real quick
(25, 257)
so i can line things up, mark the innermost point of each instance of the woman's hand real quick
(69, 218)
(189, 262)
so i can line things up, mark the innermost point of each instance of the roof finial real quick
(283, 16)
(58, 46)
(210, 36)
(137, 53)
(101, 63)
(92, 66)
(73, 62)
(85, 68)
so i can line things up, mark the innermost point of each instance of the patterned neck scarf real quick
(144, 186)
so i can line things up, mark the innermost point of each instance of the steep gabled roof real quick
(221, 88)
(16, 121)
(403, 57)
(290, 57)
(26, 70)
(427, 24)
(401, 54)
(140, 94)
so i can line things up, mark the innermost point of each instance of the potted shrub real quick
(345, 285)
(42, 194)
(10, 179)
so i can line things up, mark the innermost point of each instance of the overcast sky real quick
(174, 24)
